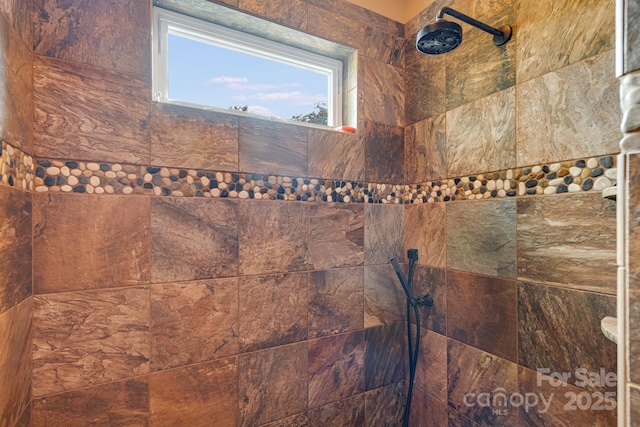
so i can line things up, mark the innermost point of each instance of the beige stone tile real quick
(336, 235)
(572, 113)
(424, 230)
(424, 150)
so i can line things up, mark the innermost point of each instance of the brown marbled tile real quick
(87, 338)
(559, 329)
(123, 403)
(19, 14)
(273, 310)
(481, 135)
(273, 384)
(633, 326)
(634, 405)
(383, 228)
(343, 413)
(571, 113)
(432, 281)
(574, 31)
(478, 68)
(16, 93)
(336, 368)
(384, 153)
(384, 406)
(426, 409)
(383, 93)
(88, 242)
(568, 241)
(633, 222)
(25, 418)
(15, 247)
(384, 355)
(336, 301)
(292, 13)
(431, 370)
(205, 394)
(193, 138)
(384, 47)
(470, 370)
(558, 408)
(193, 322)
(424, 230)
(15, 362)
(336, 155)
(425, 83)
(329, 25)
(481, 237)
(298, 420)
(273, 237)
(357, 13)
(457, 420)
(483, 312)
(82, 31)
(336, 235)
(193, 238)
(424, 150)
(384, 299)
(88, 113)
(275, 148)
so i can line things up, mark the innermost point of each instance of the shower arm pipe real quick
(469, 20)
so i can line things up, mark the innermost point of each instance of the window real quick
(204, 64)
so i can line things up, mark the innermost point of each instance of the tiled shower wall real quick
(520, 283)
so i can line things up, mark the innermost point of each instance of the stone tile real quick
(273, 384)
(425, 79)
(431, 370)
(19, 15)
(556, 409)
(384, 406)
(432, 281)
(81, 31)
(571, 113)
(384, 299)
(478, 68)
(559, 329)
(424, 150)
(631, 37)
(457, 420)
(383, 93)
(384, 153)
(345, 413)
(274, 148)
(634, 398)
(88, 113)
(384, 47)
(193, 138)
(633, 323)
(473, 371)
(117, 403)
(426, 407)
(336, 368)
(16, 94)
(336, 235)
(336, 301)
(483, 312)
(424, 230)
(193, 322)
(15, 247)
(15, 362)
(384, 355)
(200, 395)
(87, 338)
(383, 228)
(633, 222)
(481, 135)
(481, 237)
(186, 232)
(331, 25)
(292, 13)
(25, 418)
(336, 155)
(273, 237)
(298, 420)
(573, 248)
(273, 310)
(357, 13)
(89, 242)
(572, 32)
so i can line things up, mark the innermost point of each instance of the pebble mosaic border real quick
(18, 169)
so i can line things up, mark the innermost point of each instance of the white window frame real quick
(166, 22)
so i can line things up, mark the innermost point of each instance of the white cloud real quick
(258, 109)
(259, 86)
(279, 96)
(229, 80)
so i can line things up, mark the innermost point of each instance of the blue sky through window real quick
(204, 74)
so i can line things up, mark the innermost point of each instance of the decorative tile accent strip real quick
(16, 167)
(106, 178)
